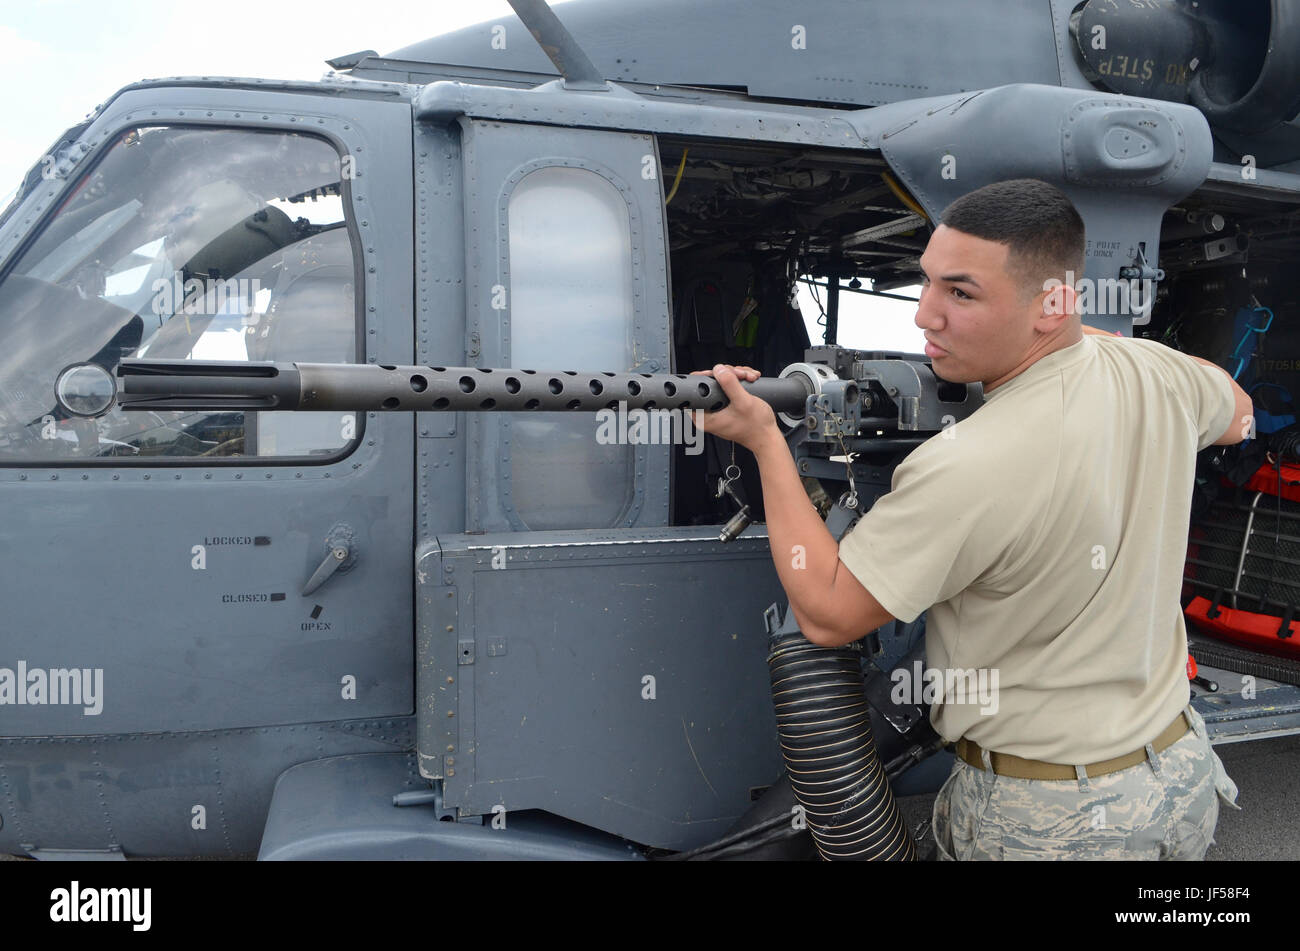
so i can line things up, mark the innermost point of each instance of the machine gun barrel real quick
(216, 386)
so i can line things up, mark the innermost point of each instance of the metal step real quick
(1271, 706)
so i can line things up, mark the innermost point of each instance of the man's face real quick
(978, 325)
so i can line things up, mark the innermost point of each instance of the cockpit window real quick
(182, 244)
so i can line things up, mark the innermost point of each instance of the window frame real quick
(351, 213)
(636, 457)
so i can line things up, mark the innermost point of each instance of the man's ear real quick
(1058, 302)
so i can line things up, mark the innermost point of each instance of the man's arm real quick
(1242, 424)
(830, 604)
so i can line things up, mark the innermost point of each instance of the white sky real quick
(60, 58)
(867, 323)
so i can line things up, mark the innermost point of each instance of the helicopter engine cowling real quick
(1252, 89)
(1238, 61)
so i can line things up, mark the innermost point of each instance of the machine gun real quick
(864, 406)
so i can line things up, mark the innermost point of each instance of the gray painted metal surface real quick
(565, 54)
(1230, 717)
(849, 51)
(137, 792)
(563, 679)
(342, 808)
(440, 333)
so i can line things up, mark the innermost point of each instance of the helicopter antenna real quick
(558, 44)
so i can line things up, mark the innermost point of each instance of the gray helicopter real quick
(394, 595)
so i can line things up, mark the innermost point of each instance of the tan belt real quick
(1004, 764)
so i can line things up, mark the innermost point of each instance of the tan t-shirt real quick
(1046, 534)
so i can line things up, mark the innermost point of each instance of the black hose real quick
(748, 839)
(825, 731)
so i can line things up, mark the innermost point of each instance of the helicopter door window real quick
(182, 244)
(571, 291)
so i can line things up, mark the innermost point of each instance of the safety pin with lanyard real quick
(844, 513)
(839, 520)
(740, 521)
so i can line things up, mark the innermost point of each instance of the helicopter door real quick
(569, 598)
(571, 274)
(171, 571)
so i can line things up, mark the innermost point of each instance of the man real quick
(1045, 534)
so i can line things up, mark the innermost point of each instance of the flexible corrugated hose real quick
(825, 731)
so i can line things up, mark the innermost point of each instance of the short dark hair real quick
(1039, 224)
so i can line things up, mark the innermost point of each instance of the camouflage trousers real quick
(1163, 808)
